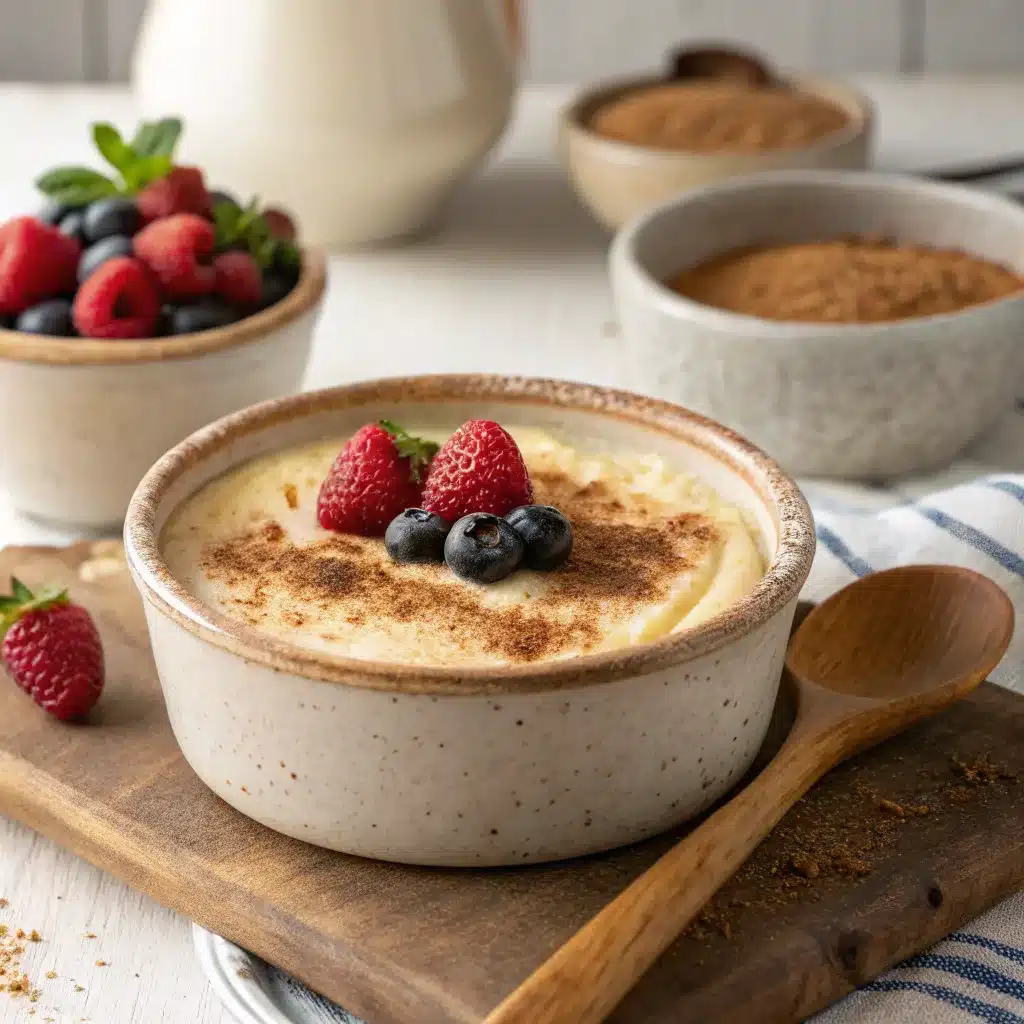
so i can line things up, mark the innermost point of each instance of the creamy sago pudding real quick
(520, 548)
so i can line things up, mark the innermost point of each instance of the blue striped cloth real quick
(961, 518)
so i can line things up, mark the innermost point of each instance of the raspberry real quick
(179, 251)
(375, 477)
(478, 469)
(279, 223)
(183, 190)
(52, 650)
(37, 262)
(239, 281)
(120, 300)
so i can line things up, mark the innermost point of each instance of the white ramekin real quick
(475, 766)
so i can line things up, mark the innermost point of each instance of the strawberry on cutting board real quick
(378, 474)
(478, 469)
(52, 650)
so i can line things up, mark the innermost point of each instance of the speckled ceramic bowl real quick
(617, 181)
(479, 766)
(92, 415)
(862, 401)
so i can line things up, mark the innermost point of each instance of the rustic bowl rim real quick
(780, 585)
(17, 346)
(623, 255)
(575, 122)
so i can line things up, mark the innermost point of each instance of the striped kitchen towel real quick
(976, 974)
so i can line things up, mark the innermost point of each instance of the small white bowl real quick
(865, 401)
(617, 180)
(87, 418)
(473, 766)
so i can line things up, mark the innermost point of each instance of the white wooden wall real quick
(575, 40)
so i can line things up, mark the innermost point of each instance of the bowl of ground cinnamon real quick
(630, 144)
(855, 324)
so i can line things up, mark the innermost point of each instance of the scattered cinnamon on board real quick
(981, 771)
(836, 838)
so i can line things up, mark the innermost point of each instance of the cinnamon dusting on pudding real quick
(622, 560)
(655, 550)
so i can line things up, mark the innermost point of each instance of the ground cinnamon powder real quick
(835, 837)
(722, 117)
(846, 280)
(621, 560)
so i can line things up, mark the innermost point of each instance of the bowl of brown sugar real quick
(631, 144)
(854, 324)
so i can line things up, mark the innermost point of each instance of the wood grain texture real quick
(417, 946)
(874, 659)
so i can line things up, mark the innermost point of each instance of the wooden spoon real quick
(869, 662)
(720, 62)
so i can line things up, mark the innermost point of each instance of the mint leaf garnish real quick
(112, 147)
(225, 223)
(246, 226)
(157, 138)
(148, 158)
(146, 170)
(287, 254)
(63, 178)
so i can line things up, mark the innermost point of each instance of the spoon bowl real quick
(869, 662)
(904, 631)
(724, 63)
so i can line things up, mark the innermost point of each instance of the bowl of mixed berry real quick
(146, 250)
(137, 304)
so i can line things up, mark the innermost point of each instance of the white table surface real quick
(514, 282)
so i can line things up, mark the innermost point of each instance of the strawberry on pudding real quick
(490, 545)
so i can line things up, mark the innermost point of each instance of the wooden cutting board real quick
(888, 854)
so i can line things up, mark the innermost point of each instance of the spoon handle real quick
(978, 171)
(589, 976)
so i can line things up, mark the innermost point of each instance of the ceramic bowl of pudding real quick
(623, 159)
(93, 415)
(856, 400)
(397, 713)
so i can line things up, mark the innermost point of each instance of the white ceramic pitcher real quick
(361, 116)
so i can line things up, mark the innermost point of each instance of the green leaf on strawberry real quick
(147, 158)
(415, 449)
(21, 601)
